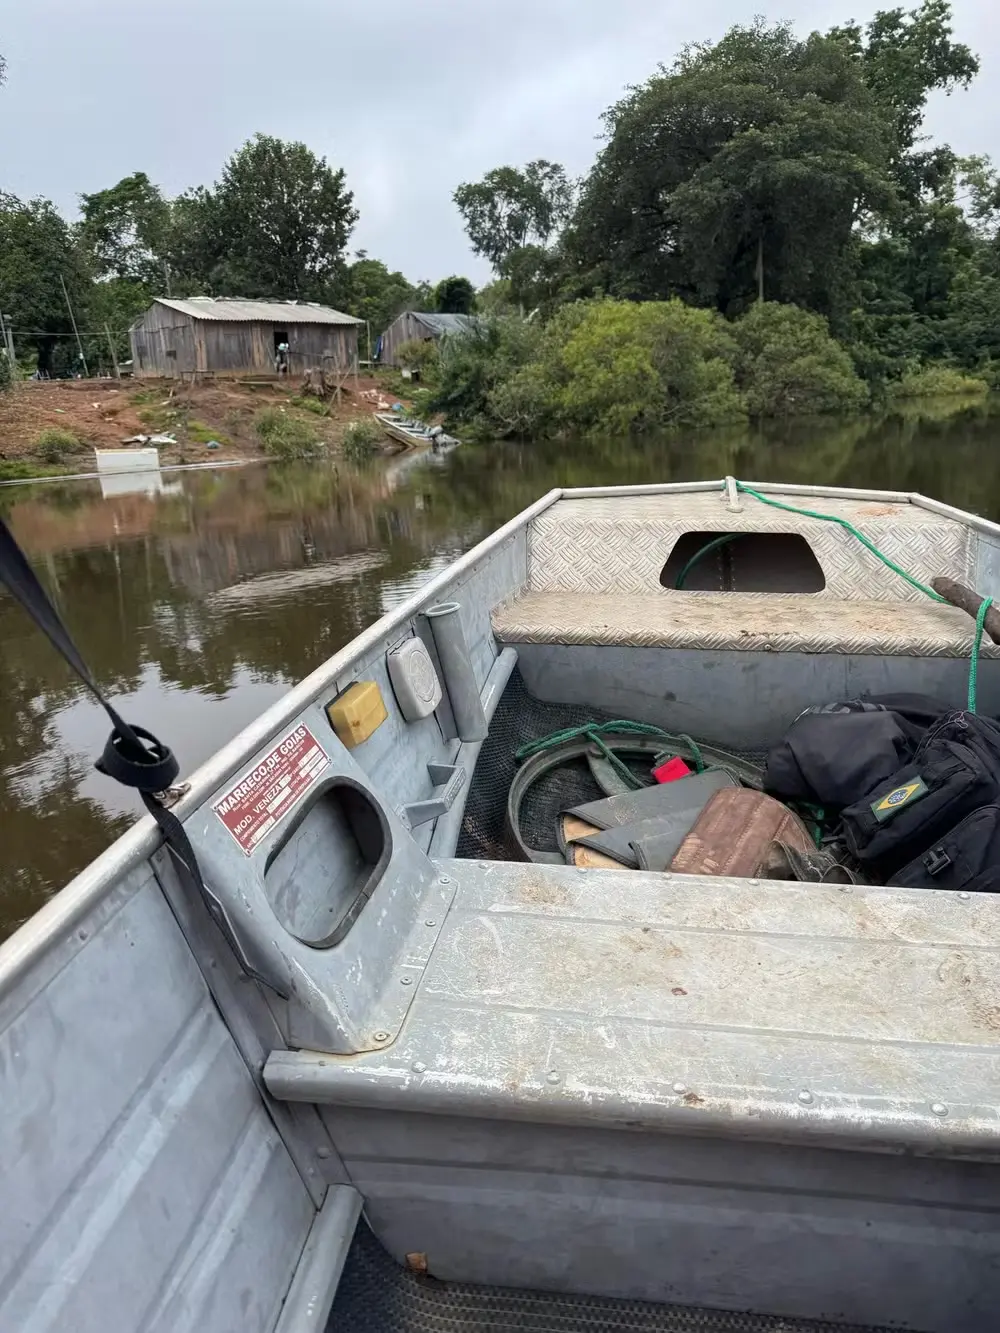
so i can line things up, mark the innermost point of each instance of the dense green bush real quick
(419, 354)
(54, 444)
(788, 364)
(936, 382)
(473, 366)
(283, 436)
(604, 367)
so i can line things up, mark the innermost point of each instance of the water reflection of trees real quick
(137, 577)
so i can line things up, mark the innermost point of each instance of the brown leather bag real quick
(734, 835)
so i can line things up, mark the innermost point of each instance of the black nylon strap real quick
(132, 756)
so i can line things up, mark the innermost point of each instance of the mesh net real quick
(520, 718)
(377, 1296)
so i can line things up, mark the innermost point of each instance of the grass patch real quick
(314, 405)
(19, 469)
(157, 418)
(937, 382)
(55, 444)
(199, 433)
(143, 397)
(362, 439)
(283, 436)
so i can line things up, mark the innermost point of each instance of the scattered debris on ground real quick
(212, 421)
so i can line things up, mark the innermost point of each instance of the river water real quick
(198, 604)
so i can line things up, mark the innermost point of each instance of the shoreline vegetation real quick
(766, 232)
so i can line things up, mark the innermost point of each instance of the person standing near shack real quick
(281, 358)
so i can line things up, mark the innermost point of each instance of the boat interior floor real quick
(521, 718)
(376, 1295)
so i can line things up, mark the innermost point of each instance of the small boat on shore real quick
(452, 1005)
(415, 434)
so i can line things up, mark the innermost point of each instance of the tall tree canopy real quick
(904, 56)
(455, 296)
(512, 207)
(38, 253)
(125, 230)
(763, 147)
(276, 224)
(370, 291)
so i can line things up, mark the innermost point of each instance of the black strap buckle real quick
(936, 861)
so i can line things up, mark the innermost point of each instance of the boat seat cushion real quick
(744, 622)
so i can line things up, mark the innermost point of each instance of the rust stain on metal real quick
(692, 1099)
(678, 990)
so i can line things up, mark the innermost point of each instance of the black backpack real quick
(832, 755)
(916, 827)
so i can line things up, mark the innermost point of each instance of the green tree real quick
(276, 224)
(125, 230)
(368, 290)
(745, 167)
(788, 364)
(512, 207)
(904, 56)
(455, 296)
(37, 249)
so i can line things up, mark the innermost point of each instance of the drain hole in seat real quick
(747, 562)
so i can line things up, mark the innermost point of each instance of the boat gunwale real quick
(62, 912)
(67, 907)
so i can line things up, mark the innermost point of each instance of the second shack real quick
(222, 336)
(414, 325)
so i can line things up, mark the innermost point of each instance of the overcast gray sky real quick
(411, 97)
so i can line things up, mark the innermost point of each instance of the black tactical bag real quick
(954, 773)
(832, 755)
(966, 857)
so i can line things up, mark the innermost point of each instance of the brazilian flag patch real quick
(892, 802)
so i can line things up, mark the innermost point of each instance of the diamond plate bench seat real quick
(743, 622)
(620, 544)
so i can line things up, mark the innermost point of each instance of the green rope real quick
(621, 727)
(977, 643)
(700, 555)
(849, 527)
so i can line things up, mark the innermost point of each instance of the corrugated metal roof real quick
(233, 310)
(439, 324)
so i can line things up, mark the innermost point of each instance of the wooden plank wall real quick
(167, 343)
(402, 329)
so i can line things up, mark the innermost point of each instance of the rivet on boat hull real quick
(805, 1097)
(381, 1036)
(939, 1108)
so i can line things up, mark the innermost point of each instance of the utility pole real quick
(8, 339)
(114, 358)
(72, 320)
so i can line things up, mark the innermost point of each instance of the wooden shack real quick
(422, 326)
(216, 335)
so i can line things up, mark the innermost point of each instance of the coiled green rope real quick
(593, 731)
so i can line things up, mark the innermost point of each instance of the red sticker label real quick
(262, 799)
